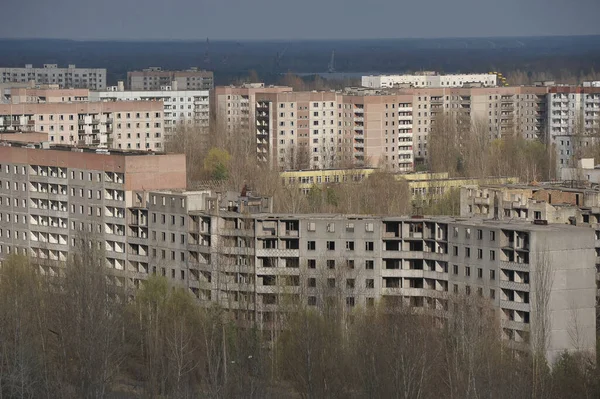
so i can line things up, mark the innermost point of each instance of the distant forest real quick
(558, 57)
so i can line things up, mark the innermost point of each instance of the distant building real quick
(573, 121)
(69, 77)
(181, 107)
(235, 106)
(154, 78)
(317, 130)
(126, 124)
(430, 79)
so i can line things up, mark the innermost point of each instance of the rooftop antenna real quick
(331, 65)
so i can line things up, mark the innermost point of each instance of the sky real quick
(299, 19)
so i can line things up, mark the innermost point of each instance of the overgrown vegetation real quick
(466, 150)
(78, 336)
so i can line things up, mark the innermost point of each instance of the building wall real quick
(155, 78)
(131, 125)
(187, 107)
(573, 112)
(70, 77)
(49, 95)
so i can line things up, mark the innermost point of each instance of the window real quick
(330, 227)
(369, 264)
(311, 282)
(455, 232)
(369, 227)
(492, 274)
(331, 245)
(492, 294)
(467, 233)
(467, 271)
(479, 234)
(455, 288)
(312, 264)
(479, 291)
(455, 250)
(350, 283)
(330, 264)
(331, 282)
(350, 227)
(479, 272)
(350, 245)
(468, 290)
(311, 227)
(312, 245)
(312, 301)
(369, 246)
(492, 236)
(455, 269)
(479, 253)
(467, 252)
(492, 255)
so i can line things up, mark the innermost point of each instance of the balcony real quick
(522, 306)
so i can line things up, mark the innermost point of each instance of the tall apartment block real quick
(500, 111)
(429, 79)
(573, 115)
(127, 124)
(317, 130)
(69, 77)
(52, 196)
(181, 107)
(154, 78)
(549, 203)
(235, 107)
(310, 130)
(358, 121)
(255, 263)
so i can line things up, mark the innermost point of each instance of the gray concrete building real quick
(232, 250)
(69, 77)
(154, 78)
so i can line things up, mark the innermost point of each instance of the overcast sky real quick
(299, 19)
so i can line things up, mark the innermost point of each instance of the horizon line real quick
(203, 39)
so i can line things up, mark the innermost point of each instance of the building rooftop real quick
(45, 145)
(540, 186)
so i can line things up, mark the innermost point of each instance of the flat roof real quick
(85, 149)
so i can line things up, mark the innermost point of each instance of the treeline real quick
(82, 335)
